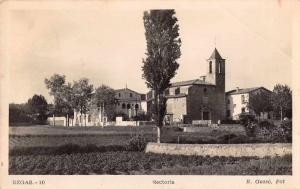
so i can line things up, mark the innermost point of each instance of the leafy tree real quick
(62, 93)
(82, 92)
(282, 101)
(260, 102)
(104, 98)
(19, 113)
(38, 108)
(163, 50)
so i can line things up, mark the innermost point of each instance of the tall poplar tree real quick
(163, 50)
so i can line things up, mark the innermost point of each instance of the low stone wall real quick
(234, 150)
(236, 129)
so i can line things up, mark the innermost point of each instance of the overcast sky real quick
(107, 45)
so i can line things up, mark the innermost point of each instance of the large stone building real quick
(130, 102)
(237, 102)
(127, 102)
(198, 100)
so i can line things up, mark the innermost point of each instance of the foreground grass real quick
(45, 130)
(127, 162)
(45, 136)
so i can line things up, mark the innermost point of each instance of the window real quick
(243, 99)
(205, 115)
(143, 97)
(130, 94)
(128, 106)
(136, 106)
(228, 113)
(243, 110)
(219, 67)
(228, 101)
(123, 106)
(177, 91)
(210, 66)
(119, 94)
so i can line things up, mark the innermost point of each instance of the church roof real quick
(215, 55)
(126, 89)
(246, 90)
(190, 82)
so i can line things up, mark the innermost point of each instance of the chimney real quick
(237, 89)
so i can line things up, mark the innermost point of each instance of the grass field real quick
(97, 150)
(60, 130)
(57, 136)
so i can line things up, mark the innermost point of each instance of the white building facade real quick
(237, 103)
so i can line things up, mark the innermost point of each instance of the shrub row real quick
(267, 131)
(144, 163)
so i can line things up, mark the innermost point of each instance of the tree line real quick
(79, 96)
(279, 101)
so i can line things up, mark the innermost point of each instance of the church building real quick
(201, 100)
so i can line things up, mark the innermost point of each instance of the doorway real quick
(205, 115)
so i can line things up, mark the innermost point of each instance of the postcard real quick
(149, 94)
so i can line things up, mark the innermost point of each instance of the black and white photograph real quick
(118, 88)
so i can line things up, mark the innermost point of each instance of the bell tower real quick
(216, 70)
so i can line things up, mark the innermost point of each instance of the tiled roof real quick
(124, 89)
(246, 90)
(190, 82)
(215, 55)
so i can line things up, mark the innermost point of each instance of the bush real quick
(230, 121)
(266, 131)
(245, 119)
(142, 117)
(251, 128)
(250, 124)
(137, 143)
(287, 129)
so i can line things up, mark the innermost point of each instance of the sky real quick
(107, 44)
